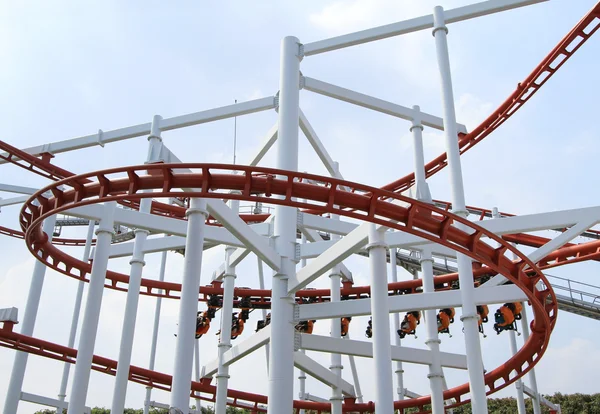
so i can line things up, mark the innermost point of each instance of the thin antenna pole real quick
(234, 135)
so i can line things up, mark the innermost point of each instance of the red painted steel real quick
(324, 193)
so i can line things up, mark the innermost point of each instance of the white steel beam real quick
(166, 124)
(235, 259)
(14, 200)
(239, 351)
(406, 303)
(313, 236)
(413, 25)
(365, 349)
(17, 189)
(224, 112)
(266, 145)
(314, 398)
(325, 224)
(50, 402)
(375, 104)
(252, 240)
(318, 146)
(342, 249)
(324, 375)
(550, 246)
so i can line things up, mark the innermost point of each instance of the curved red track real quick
(420, 219)
(360, 202)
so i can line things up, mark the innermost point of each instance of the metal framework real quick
(318, 222)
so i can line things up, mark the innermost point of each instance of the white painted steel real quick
(281, 366)
(355, 378)
(232, 222)
(339, 251)
(19, 189)
(532, 377)
(17, 375)
(405, 303)
(91, 315)
(197, 118)
(336, 367)
(137, 264)
(370, 102)
(382, 355)
(227, 310)
(237, 352)
(157, 309)
(365, 349)
(62, 393)
(399, 370)
(188, 306)
(518, 384)
(413, 25)
(319, 372)
(465, 271)
(261, 285)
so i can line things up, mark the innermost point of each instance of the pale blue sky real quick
(70, 69)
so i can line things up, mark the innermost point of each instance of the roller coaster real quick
(317, 222)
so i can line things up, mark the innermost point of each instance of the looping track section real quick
(328, 195)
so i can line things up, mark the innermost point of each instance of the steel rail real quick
(326, 194)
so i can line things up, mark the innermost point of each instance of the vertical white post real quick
(465, 272)
(91, 315)
(137, 264)
(197, 372)
(226, 316)
(436, 375)
(161, 277)
(382, 354)
(281, 365)
(513, 347)
(359, 396)
(532, 379)
(336, 359)
(62, 394)
(261, 285)
(399, 369)
(518, 383)
(302, 374)
(13, 394)
(188, 305)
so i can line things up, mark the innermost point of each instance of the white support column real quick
(518, 383)
(188, 306)
(197, 373)
(281, 365)
(91, 315)
(532, 379)
(13, 394)
(382, 354)
(62, 394)
(465, 271)
(261, 285)
(302, 374)
(436, 375)
(399, 371)
(513, 345)
(226, 315)
(336, 359)
(137, 264)
(161, 277)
